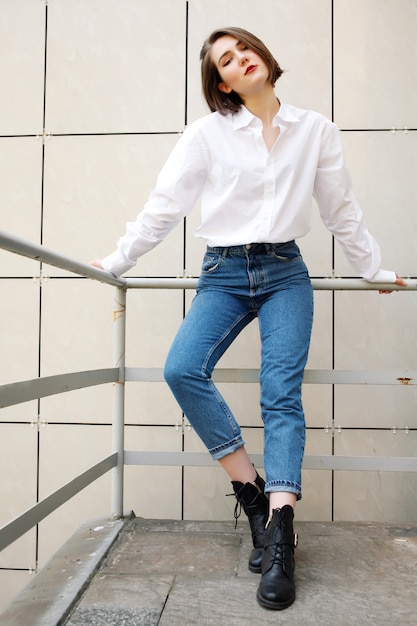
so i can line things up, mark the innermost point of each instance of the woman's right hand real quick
(398, 281)
(97, 263)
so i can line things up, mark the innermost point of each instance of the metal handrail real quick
(23, 391)
(327, 283)
(41, 253)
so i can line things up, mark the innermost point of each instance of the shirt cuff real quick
(383, 276)
(116, 264)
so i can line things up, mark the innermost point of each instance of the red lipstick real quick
(250, 69)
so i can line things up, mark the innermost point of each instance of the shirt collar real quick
(244, 117)
(287, 113)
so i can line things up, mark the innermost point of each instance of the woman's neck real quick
(264, 106)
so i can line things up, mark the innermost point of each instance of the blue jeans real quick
(236, 285)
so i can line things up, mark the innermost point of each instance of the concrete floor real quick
(188, 573)
(170, 573)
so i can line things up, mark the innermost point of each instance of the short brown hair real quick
(210, 78)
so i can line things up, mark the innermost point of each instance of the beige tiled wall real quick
(94, 95)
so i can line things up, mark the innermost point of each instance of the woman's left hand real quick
(399, 281)
(97, 263)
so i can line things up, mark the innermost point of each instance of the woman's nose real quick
(243, 59)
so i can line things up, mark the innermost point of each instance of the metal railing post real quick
(119, 345)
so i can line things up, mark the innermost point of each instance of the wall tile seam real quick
(122, 133)
(392, 129)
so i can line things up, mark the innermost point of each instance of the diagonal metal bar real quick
(38, 252)
(20, 525)
(16, 393)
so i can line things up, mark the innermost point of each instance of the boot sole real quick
(255, 570)
(275, 606)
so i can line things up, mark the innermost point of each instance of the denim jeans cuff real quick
(227, 448)
(273, 486)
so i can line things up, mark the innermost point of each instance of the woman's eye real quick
(226, 62)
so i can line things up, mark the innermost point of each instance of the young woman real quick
(256, 163)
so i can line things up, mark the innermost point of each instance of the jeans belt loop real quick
(225, 252)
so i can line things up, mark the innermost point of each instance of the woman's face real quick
(241, 69)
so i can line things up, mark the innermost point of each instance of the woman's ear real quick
(224, 88)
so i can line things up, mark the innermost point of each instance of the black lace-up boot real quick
(252, 498)
(277, 588)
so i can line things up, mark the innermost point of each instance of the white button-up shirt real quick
(250, 195)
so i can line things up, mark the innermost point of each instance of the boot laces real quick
(238, 508)
(237, 512)
(282, 555)
(283, 550)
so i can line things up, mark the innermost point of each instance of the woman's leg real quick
(278, 499)
(212, 323)
(239, 466)
(285, 320)
(214, 320)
